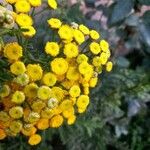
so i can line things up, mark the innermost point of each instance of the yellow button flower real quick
(84, 29)
(30, 31)
(18, 97)
(83, 101)
(66, 104)
(65, 32)
(52, 4)
(13, 51)
(104, 45)
(54, 23)
(30, 90)
(52, 103)
(44, 92)
(74, 91)
(38, 105)
(85, 68)
(16, 112)
(81, 58)
(96, 61)
(59, 66)
(71, 50)
(58, 93)
(94, 35)
(103, 58)
(22, 79)
(109, 66)
(93, 82)
(43, 124)
(56, 121)
(34, 71)
(34, 139)
(71, 120)
(18, 68)
(73, 73)
(5, 91)
(79, 36)
(49, 79)
(52, 48)
(15, 126)
(22, 6)
(95, 48)
(24, 20)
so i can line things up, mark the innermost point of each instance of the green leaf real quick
(144, 2)
(120, 11)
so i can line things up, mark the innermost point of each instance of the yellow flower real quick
(54, 23)
(95, 48)
(96, 61)
(43, 124)
(15, 126)
(18, 68)
(56, 121)
(18, 97)
(52, 48)
(44, 92)
(30, 90)
(34, 71)
(5, 91)
(13, 51)
(59, 66)
(65, 32)
(4, 117)
(2, 134)
(79, 36)
(11, 1)
(72, 73)
(22, 6)
(58, 93)
(16, 112)
(52, 103)
(33, 117)
(28, 132)
(69, 112)
(47, 113)
(71, 120)
(103, 58)
(84, 29)
(38, 105)
(52, 4)
(94, 35)
(22, 79)
(75, 91)
(65, 105)
(85, 68)
(34, 139)
(93, 82)
(35, 3)
(30, 33)
(109, 66)
(81, 58)
(86, 90)
(71, 50)
(104, 45)
(24, 20)
(49, 79)
(82, 101)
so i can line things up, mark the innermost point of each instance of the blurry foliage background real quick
(118, 116)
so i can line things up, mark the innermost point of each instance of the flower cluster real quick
(37, 99)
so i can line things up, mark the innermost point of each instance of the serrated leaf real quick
(121, 10)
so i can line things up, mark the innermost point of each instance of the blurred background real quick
(118, 116)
